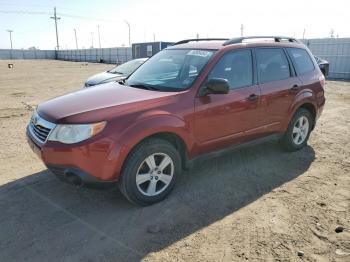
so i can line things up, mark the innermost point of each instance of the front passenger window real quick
(236, 67)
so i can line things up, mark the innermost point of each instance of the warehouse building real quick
(141, 50)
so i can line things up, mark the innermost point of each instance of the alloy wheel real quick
(300, 130)
(155, 174)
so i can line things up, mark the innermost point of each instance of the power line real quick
(69, 15)
(24, 12)
(88, 17)
(61, 14)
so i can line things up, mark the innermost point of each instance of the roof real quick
(215, 44)
(199, 45)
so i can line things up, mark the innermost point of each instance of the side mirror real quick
(216, 86)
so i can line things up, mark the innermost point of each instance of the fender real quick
(151, 124)
(306, 96)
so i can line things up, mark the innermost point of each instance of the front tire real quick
(298, 132)
(150, 172)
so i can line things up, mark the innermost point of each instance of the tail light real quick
(322, 80)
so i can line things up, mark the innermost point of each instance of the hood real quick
(97, 104)
(103, 77)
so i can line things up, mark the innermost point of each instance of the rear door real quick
(221, 119)
(278, 84)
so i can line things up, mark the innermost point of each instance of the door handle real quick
(253, 97)
(295, 88)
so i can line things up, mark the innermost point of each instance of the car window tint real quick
(301, 60)
(272, 64)
(236, 67)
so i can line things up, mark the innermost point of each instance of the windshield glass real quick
(170, 70)
(126, 68)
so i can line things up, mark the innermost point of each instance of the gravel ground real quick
(255, 204)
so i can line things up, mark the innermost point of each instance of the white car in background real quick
(115, 74)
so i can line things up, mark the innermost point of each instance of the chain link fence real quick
(26, 54)
(117, 55)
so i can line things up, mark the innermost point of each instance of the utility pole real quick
(10, 31)
(242, 28)
(197, 36)
(304, 34)
(99, 37)
(154, 37)
(128, 24)
(92, 40)
(54, 17)
(76, 39)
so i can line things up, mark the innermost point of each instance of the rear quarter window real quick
(301, 60)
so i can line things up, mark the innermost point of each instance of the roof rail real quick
(238, 40)
(200, 39)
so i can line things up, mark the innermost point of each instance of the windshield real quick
(170, 70)
(127, 68)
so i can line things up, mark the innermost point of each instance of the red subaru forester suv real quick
(193, 98)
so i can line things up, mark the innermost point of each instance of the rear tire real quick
(298, 132)
(150, 172)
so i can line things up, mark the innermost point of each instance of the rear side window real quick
(301, 60)
(272, 64)
(236, 67)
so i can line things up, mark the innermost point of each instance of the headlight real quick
(69, 134)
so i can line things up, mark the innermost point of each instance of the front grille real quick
(40, 132)
(40, 128)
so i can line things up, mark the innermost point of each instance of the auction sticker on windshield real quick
(201, 53)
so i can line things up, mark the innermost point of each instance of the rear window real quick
(301, 60)
(272, 64)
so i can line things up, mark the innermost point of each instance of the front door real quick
(222, 119)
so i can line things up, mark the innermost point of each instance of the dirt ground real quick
(255, 204)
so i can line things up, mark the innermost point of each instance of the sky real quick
(165, 20)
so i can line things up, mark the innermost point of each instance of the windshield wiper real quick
(116, 72)
(122, 81)
(144, 86)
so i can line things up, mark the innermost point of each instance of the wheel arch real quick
(173, 139)
(312, 109)
(167, 127)
(307, 105)
(306, 100)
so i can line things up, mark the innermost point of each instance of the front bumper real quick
(93, 162)
(77, 176)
